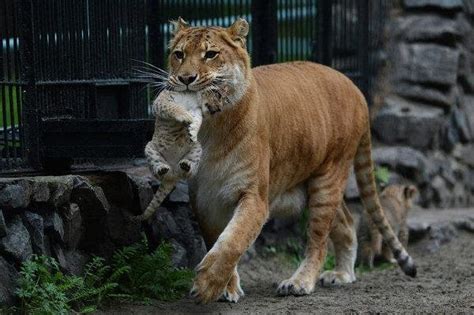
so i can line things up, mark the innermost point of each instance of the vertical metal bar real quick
(345, 38)
(18, 145)
(363, 13)
(291, 29)
(52, 47)
(28, 62)
(324, 43)
(264, 31)
(3, 88)
(300, 29)
(155, 36)
(115, 67)
(307, 30)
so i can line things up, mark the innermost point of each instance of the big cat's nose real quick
(187, 79)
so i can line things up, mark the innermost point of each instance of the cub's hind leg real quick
(189, 163)
(325, 196)
(343, 236)
(156, 162)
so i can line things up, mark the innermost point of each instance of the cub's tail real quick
(165, 188)
(364, 171)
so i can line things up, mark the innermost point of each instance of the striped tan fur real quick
(364, 171)
(285, 141)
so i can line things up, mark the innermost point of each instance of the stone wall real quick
(425, 128)
(74, 217)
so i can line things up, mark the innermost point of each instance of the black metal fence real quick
(67, 83)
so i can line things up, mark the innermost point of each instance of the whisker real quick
(143, 73)
(151, 70)
(151, 66)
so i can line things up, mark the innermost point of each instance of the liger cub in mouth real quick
(174, 152)
(285, 140)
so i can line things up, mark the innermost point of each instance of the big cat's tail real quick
(364, 172)
(165, 188)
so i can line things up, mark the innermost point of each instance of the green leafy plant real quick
(270, 250)
(44, 289)
(133, 273)
(151, 275)
(329, 262)
(382, 175)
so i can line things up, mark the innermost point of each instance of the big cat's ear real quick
(178, 25)
(239, 30)
(410, 192)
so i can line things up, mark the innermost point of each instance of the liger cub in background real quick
(285, 141)
(396, 200)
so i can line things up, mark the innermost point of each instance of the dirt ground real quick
(445, 284)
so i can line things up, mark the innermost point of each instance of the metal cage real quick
(67, 85)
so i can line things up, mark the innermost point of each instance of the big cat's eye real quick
(179, 54)
(210, 54)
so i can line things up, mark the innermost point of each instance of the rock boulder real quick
(17, 243)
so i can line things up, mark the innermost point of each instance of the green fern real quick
(134, 273)
(151, 275)
(44, 289)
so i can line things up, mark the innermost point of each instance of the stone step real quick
(429, 229)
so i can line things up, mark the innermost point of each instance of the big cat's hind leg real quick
(344, 239)
(324, 196)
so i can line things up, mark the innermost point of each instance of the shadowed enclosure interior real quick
(69, 88)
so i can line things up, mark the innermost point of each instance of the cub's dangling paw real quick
(185, 165)
(159, 169)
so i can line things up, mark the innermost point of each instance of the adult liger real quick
(285, 141)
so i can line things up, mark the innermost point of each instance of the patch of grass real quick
(293, 249)
(382, 266)
(292, 252)
(329, 262)
(303, 224)
(134, 273)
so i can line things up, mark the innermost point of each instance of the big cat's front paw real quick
(295, 286)
(211, 280)
(331, 278)
(233, 292)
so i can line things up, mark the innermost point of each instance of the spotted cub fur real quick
(174, 152)
(396, 201)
